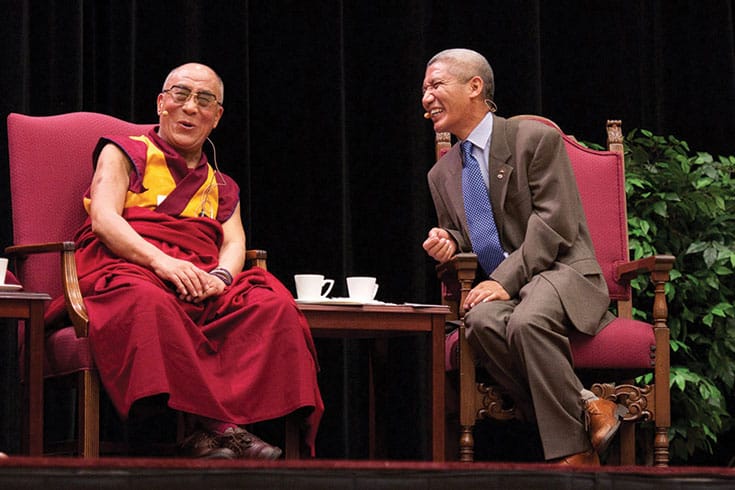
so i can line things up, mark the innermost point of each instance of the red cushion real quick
(451, 350)
(65, 353)
(623, 344)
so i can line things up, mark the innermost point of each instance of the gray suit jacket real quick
(538, 214)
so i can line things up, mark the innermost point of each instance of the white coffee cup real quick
(3, 269)
(310, 287)
(362, 288)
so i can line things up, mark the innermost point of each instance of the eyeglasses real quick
(181, 95)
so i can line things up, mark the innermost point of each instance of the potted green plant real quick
(682, 203)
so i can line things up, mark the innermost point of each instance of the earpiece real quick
(164, 113)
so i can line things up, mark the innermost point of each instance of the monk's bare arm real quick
(108, 192)
(232, 252)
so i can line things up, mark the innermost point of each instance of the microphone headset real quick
(214, 182)
(427, 115)
(164, 113)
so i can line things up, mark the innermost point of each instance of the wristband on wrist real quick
(223, 274)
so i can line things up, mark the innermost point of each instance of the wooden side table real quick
(30, 307)
(381, 321)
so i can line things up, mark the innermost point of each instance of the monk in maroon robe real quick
(170, 310)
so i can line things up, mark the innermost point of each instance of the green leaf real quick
(660, 208)
(721, 270)
(710, 256)
(696, 247)
(708, 319)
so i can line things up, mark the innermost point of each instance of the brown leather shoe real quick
(602, 419)
(205, 445)
(587, 458)
(248, 446)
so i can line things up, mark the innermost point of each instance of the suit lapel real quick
(499, 170)
(455, 191)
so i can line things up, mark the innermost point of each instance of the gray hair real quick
(465, 64)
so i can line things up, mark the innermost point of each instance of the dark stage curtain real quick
(323, 125)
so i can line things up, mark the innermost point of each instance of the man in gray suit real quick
(539, 277)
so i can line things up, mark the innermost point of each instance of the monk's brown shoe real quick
(205, 445)
(602, 418)
(248, 446)
(587, 458)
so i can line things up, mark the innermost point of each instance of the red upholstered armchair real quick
(623, 350)
(50, 169)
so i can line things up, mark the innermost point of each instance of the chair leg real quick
(466, 443)
(661, 446)
(627, 443)
(451, 419)
(292, 442)
(467, 397)
(88, 435)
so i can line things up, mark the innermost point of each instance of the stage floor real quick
(19, 472)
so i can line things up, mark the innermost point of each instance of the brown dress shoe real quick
(205, 445)
(587, 458)
(602, 418)
(248, 446)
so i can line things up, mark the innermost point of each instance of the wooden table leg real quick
(437, 388)
(377, 396)
(377, 323)
(33, 387)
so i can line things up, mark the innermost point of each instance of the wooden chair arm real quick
(653, 264)
(72, 294)
(659, 267)
(20, 251)
(459, 263)
(457, 276)
(256, 258)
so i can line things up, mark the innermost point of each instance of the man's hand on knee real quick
(486, 291)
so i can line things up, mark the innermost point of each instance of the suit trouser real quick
(523, 345)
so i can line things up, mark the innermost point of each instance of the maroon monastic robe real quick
(243, 357)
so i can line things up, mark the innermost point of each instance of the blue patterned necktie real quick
(483, 232)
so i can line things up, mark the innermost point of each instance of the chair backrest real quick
(51, 167)
(601, 181)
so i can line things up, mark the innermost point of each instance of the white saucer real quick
(320, 301)
(338, 301)
(10, 287)
(346, 301)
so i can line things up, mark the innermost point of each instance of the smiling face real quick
(186, 126)
(451, 101)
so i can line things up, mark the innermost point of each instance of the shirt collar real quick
(480, 136)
